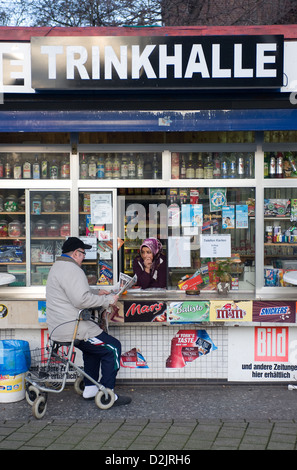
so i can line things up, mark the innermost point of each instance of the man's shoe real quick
(90, 392)
(122, 400)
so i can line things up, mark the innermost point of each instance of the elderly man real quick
(68, 292)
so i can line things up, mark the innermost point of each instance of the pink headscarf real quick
(153, 244)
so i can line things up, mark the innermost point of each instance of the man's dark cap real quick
(73, 243)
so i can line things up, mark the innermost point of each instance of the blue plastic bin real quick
(15, 357)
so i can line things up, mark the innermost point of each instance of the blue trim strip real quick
(147, 121)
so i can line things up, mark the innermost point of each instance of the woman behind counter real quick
(150, 265)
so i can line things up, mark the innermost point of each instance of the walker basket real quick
(49, 363)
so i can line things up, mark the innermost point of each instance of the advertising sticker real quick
(231, 311)
(279, 311)
(187, 312)
(133, 359)
(144, 311)
(188, 345)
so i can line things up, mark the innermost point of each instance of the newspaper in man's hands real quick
(125, 283)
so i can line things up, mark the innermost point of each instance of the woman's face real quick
(146, 253)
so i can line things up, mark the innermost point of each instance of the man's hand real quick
(103, 292)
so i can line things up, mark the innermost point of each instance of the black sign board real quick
(169, 62)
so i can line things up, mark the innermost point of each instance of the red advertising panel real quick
(271, 344)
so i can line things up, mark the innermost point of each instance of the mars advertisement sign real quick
(144, 311)
(262, 354)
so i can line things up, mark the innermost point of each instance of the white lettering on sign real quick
(15, 68)
(262, 59)
(77, 56)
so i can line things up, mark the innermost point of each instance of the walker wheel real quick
(79, 385)
(31, 394)
(39, 407)
(102, 402)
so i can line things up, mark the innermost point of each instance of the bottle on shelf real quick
(116, 167)
(54, 170)
(216, 166)
(27, 169)
(100, 168)
(155, 167)
(292, 162)
(124, 167)
(92, 168)
(131, 167)
(190, 171)
(183, 167)
(266, 165)
(240, 166)
(140, 166)
(272, 165)
(17, 169)
(44, 168)
(248, 166)
(224, 166)
(208, 167)
(199, 167)
(232, 166)
(36, 168)
(65, 168)
(83, 170)
(279, 165)
(108, 167)
(175, 165)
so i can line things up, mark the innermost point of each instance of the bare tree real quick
(227, 12)
(146, 12)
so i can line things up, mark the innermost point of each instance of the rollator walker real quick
(56, 359)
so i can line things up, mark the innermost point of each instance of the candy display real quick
(14, 229)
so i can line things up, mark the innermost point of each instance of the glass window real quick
(13, 235)
(120, 165)
(206, 233)
(209, 165)
(49, 227)
(280, 234)
(96, 223)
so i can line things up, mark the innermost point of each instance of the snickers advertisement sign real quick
(274, 311)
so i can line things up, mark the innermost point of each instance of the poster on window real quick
(187, 346)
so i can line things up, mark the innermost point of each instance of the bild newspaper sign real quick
(262, 354)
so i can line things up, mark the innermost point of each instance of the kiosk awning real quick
(148, 121)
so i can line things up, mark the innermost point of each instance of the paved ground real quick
(178, 419)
